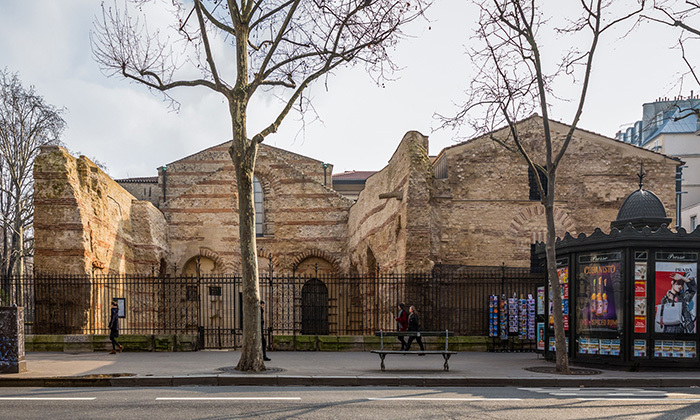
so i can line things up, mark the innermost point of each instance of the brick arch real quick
(268, 180)
(275, 259)
(518, 225)
(219, 264)
(318, 254)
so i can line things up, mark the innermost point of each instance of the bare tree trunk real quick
(18, 243)
(251, 352)
(562, 359)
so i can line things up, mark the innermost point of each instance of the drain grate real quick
(572, 371)
(232, 369)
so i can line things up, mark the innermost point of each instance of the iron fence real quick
(212, 306)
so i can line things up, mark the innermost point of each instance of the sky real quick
(133, 131)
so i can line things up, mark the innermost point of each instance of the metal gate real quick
(220, 312)
(314, 308)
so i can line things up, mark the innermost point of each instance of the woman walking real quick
(414, 325)
(402, 324)
(114, 328)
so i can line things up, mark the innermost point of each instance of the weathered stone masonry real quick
(469, 205)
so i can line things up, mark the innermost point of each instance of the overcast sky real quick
(133, 131)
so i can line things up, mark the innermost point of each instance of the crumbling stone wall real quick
(389, 224)
(482, 214)
(86, 223)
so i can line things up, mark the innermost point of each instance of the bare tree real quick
(277, 45)
(684, 15)
(26, 123)
(513, 83)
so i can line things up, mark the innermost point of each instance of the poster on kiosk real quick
(676, 297)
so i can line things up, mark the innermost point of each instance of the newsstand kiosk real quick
(630, 297)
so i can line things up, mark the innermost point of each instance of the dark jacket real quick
(262, 321)
(413, 323)
(402, 321)
(114, 319)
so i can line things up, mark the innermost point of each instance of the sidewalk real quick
(319, 369)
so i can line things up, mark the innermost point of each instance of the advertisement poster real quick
(540, 336)
(640, 297)
(658, 348)
(597, 304)
(583, 345)
(678, 349)
(640, 348)
(552, 344)
(666, 348)
(640, 271)
(563, 273)
(615, 347)
(540, 300)
(690, 349)
(676, 301)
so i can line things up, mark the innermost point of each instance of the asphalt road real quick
(348, 403)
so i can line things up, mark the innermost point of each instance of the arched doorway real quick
(314, 308)
(206, 266)
(314, 266)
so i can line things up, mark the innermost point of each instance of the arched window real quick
(534, 191)
(258, 199)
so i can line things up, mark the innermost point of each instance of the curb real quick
(341, 381)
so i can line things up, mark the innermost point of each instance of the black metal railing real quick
(212, 306)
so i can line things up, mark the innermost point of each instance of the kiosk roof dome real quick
(641, 204)
(641, 208)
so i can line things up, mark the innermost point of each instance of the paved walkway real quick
(320, 368)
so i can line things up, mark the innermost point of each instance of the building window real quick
(537, 264)
(693, 222)
(258, 199)
(534, 191)
(440, 167)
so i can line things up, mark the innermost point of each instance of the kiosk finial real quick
(641, 174)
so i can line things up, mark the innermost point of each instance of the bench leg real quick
(382, 356)
(446, 366)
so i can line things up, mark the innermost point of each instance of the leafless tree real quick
(26, 123)
(684, 15)
(239, 48)
(514, 82)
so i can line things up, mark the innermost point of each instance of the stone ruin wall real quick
(394, 229)
(305, 221)
(482, 212)
(389, 226)
(85, 225)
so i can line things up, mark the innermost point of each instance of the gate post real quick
(12, 340)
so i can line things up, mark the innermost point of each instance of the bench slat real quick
(413, 334)
(413, 352)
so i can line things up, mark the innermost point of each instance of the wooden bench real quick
(445, 353)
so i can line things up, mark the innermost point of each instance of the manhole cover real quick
(232, 369)
(572, 371)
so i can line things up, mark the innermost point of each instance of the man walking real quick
(262, 330)
(114, 328)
